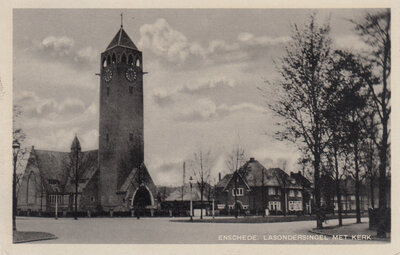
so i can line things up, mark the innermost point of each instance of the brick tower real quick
(121, 116)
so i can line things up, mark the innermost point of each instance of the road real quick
(164, 231)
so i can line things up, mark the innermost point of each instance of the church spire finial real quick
(121, 19)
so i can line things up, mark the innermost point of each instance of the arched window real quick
(108, 60)
(130, 59)
(123, 58)
(138, 62)
(104, 62)
(114, 58)
(31, 189)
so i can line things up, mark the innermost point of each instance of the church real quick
(113, 178)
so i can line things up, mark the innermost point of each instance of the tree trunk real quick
(382, 182)
(201, 201)
(357, 177)
(235, 192)
(371, 186)
(317, 189)
(339, 198)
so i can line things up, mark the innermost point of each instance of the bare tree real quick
(300, 105)
(201, 168)
(374, 29)
(234, 161)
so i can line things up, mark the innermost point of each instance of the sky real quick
(204, 67)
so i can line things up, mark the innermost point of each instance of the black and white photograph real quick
(201, 126)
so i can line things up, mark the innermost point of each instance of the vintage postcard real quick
(237, 129)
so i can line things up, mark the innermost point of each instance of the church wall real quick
(89, 201)
(30, 194)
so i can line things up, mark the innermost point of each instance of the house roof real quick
(256, 175)
(224, 181)
(121, 39)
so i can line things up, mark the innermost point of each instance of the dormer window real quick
(138, 62)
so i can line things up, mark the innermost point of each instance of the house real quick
(258, 188)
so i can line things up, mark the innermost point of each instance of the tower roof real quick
(122, 39)
(76, 145)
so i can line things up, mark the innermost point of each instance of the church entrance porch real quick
(141, 198)
(142, 202)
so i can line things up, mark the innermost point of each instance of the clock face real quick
(130, 74)
(108, 74)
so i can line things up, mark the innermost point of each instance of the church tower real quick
(121, 146)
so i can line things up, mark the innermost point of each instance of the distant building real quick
(258, 188)
(177, 201)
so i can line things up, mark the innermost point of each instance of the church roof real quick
(55, 165)
(122, 39)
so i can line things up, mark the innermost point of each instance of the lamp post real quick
(16, 147)
(191, 198)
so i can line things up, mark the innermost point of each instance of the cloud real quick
(63, 50)
(164, 41)
(164, 97)
(87, 54)
(250, 39)
(56, 46)
(205, 109)
(350, 42)
(175, 47)
(35, 106)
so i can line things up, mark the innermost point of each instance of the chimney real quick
(219, 176)
(251, 159)
(33, 147)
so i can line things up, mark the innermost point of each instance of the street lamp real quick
(191, 199)
(16, 146)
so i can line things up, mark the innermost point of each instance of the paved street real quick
(163, 231)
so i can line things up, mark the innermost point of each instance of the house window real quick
(130, 90)
(291, 193)
(239, 192)
(274, 205)
(92, 199)
(108, 91)
(130, 137)
(107, 137)
(298, 193)
(295, 206)
(278, 191)
(271, 191)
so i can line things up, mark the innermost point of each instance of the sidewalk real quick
(353, 231)
(31, 236)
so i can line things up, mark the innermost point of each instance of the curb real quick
(36, 239)
(374, 238)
